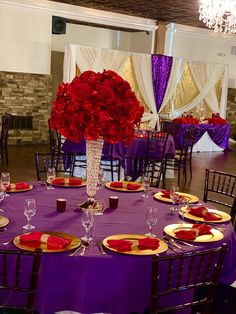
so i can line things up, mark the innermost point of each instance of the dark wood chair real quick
(18, 280)
(220, 188)
(62, 162)
(110, 164)
(183, 157)
(55, 139)
(155, 158)
(184, 272)
(4, 137)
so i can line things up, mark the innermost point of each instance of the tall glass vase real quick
(93, 152)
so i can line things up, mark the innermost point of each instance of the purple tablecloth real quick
(114, 283)
(137, 148)
(219, 134)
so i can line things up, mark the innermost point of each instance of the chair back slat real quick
(183, 272)
(218, 184)
(20, 276)
(63, 163)
(18, 270)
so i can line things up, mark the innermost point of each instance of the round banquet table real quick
(113, 283)
(137, 148)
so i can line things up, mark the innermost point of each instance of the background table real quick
(114, 283)
(210, 137)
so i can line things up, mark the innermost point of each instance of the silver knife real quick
(169, 246)
(100, 246)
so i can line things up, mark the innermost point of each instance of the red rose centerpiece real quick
(99, 107)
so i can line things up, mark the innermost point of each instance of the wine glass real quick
(174, 196)
(87, 222)
(184, 206)
(29, 211)
(151, 220)
(5, 181)
(2, 196)
(51, 175)
(146, 185)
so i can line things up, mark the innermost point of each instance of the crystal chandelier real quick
(219, 14)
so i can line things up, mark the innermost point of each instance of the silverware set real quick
(100, 246)
(176, 244)
(82, 248)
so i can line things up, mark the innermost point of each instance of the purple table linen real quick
(113, 283)
(137, 148)
(218, 133)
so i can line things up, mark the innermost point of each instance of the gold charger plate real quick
(215, 236)
(32, 246)
(66, 185)
(3, 221)
(190, 197)
(107, 185)
(135, 251)
(13, 190)
(224, 216)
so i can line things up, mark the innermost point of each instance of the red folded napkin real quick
(194, 232)
(53, 242)
(117, 184)
(120, 245)
(18, 186)
(165, 193)
(69, 181)
(128, 186)
(148, 244)
(203, 213)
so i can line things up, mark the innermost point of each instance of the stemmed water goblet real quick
(5, 181)
(87, 220)
(174, 196)
(184, 206)
(51, 175)
(29, 211)
(146, 185)
(1, 200)
(151, 220)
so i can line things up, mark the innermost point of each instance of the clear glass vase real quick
(93, 152)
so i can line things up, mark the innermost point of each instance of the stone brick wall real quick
(231, 111)
(27, 95)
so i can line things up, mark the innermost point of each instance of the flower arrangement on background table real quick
(99, 107)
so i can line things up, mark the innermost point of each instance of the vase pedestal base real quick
(97, 207)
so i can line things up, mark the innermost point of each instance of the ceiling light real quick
(219, 15)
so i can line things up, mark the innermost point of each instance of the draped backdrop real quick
(164, 85)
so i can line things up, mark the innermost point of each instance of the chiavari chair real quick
(19, 273)
(220, 188)
(62, 162)
(185, 272)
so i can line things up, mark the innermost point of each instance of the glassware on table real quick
(174, 196)
(51, 175)
(5, 181)
(151, 220)
(87, 220)
(146, 185)
(29, 211)
(184, 202)
(2, 196)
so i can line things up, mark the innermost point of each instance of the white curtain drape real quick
(175, 76)
(212, 76)
(143, 72)
(95, 59)
(200, 73)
